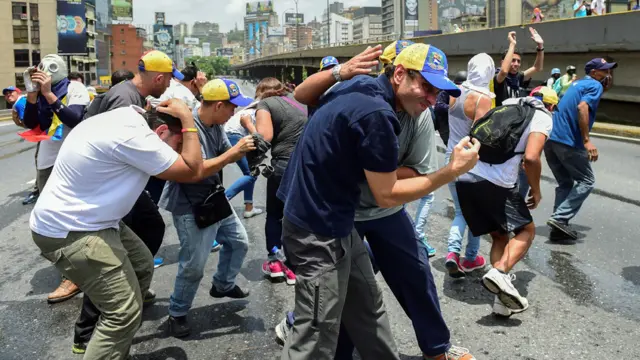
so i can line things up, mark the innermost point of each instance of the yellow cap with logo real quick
(158, 61)
(391, 51)
(431, 63)
(224, 90)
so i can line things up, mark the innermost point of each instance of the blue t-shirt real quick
(582, 12)
(566, 127)
(354, 128)
(19, 106)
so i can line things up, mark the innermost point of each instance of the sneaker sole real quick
(216, 249)
(454, 271)
(291, 282)
(469, 270)
(273, 275)
(555, 225)
(509, 300)
(78, 351)
(279, 335)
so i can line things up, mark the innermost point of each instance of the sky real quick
(225, 12)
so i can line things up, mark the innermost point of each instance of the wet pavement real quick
(584, 295)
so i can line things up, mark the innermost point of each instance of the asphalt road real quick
(584, 296)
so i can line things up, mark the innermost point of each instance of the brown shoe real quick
(64, 292)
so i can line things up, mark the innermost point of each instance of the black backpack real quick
(500, 130)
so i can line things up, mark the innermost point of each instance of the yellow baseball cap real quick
(391, 51)
(431, 62)
(545, 94)
(224, 90)
(158, 61)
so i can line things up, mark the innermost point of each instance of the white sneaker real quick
(282, 331)
(500, 284)
(252, 213)
(500, 309)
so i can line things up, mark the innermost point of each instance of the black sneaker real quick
(79, 348)
(149, 298)
(179, 326)
(235, 293)
(31, 198)
(564, 228)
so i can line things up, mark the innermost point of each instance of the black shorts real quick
(487, 207)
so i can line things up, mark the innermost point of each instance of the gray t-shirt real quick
(288, 123)
(121, 95)
(417, 141)
(176, 197)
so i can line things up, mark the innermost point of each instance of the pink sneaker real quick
(289, 275)
(453, 265)
(274, 269)
(469, 266)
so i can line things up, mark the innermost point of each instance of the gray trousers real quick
(334, 283)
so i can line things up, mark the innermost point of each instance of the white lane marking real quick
(31, 182)
(7, 123)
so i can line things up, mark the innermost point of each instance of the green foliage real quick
(304, 73)
(211, 65)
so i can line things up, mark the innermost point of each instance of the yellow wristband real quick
(189, 130)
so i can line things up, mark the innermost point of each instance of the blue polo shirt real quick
(353, 129)
(566, 127)
(19, 106)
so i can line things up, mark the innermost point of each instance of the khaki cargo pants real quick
(114, 268)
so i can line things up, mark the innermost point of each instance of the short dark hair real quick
(515, 52)
(209, 103)
(121, 75)
(389, 69)
(75, 75)
(155, 119)
(190, 72)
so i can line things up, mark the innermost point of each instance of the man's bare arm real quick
(506, 62)
(538, 66)
(405, 172)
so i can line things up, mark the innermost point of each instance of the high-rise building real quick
(128, 44)
(258, 19)
(207, 32)
(340, 30)
(406, 16)
(181, 31)
(306, 36)
(29, 33)
(367, 23)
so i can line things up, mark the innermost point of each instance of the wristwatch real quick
(336, 73)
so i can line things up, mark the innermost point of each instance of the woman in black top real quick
(280, 120)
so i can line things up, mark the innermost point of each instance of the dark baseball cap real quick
(10, 89)
(599, 64)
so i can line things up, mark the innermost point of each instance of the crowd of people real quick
(347, 152)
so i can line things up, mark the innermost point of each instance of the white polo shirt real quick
(101, 170)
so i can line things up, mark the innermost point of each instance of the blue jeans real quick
(422, 215)
(195, 247)
(523, 183)
(246, 182)
(458, 227)
(573, 172)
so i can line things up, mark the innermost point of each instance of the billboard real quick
(122, 10)
(160, 18)
(72, 27)
(250, 32)
(275, 31)
(224, 52)
(453, 9)
(163, 39)
(290, 18)
(206, 49)
(103, 16)
(411, 13)
(259, 7)
(191, 41)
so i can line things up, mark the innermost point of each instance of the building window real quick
(19, 80)
(123, 52)
(121, 30)
(35, 57)
(21, 58)
(33, 11)
(80, 66)
(20, 34)
(124, 63)
(93, 76)
(122, 42)
(35, 34)
(19, 10)
(501, 12)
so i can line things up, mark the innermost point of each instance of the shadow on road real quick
(469, 290)
(544, 231)
(632, 273)
(44, 280)
(169, 353)
(252, 270)
(492, 320)
(207, 322)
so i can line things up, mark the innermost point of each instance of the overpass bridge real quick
(566, 42)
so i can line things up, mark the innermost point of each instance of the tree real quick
(211, 66)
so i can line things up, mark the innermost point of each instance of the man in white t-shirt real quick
(491, 203)
(188, 89)
(101, 170)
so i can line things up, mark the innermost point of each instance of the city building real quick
(367, 23)
(340, 30)
(103, 14)
(128, 43)
(86, 65)
(181, 31)
(306, 36)
(394, 21)
(207, 32)
(257, 21)
(316, 36)
(470, 22)
(29, 32)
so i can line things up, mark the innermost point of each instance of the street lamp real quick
(297, 26)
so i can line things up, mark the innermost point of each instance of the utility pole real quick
(328, 24)
(297, 27)
(402, 5)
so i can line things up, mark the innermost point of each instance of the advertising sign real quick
(122, 10)
(250, 31)
(411, 13)
(163, 39)
(72, 27)
(257, 35)
(453, 9)
(102, 16)
(224, 52)
(160, 18)
(206, 49)
(275, 31)
(259, 7)
(191, 41)
(290, 18)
